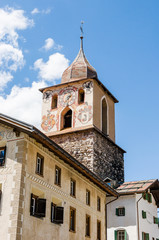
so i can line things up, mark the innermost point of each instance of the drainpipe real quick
(106, 215)
(138, 227)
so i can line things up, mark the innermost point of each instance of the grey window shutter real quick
(59, 214)
(31, 203)
(123, 211)
(41, 207)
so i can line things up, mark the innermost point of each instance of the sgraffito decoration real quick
(88, 86)
(67, 96)
(85, 114)
(48, 122)
(48, 95)
(6, 135)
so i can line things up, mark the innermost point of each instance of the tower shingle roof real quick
(79, 69)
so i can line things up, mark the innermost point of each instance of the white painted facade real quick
(133, 222)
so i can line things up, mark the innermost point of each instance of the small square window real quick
(98, 203)
(88, 225)
(72, 219)
(2, 155)
(120, 211)
(87, 197)
(73, 187)
(39, 164)
(57, 176)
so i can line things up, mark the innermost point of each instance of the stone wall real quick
(95, 151)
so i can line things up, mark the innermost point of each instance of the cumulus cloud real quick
(11, 56)
(24, 103)
(53, 68)
(50, 44)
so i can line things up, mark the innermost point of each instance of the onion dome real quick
(79, 69)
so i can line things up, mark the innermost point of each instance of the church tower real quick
(78, 114)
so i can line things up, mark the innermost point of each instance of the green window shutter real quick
(147, 236)
(150, 198)
(147, 196)
(115, 235)
(143, 235)
(117, 212)
(144, 195)
(143, 214)
(125, 235)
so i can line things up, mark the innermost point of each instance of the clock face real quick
(67, 97)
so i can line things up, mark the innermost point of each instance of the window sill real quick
(41, 175)
(74, 196)
(87, 236)
(59, 185)
(72, 231)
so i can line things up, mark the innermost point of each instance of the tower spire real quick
(81, 37)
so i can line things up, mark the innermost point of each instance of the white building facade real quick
(133, 216)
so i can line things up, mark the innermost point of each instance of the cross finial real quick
(81, 37)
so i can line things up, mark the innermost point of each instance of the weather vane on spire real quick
(81, 28)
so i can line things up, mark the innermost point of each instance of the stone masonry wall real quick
(95, 151)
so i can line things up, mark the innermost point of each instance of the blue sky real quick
(121, 41)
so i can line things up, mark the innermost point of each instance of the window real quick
(120, 235)
(80, 96)
(72, 219)
(2, 155)
(57, 176)
(147, 196)
(155, 220)
(98, 203)
(73, 187)
(68, 119)
(54, 101)
(104, 116)
(37, 206)
(39, 164)
(98, 230)
(145, 236)
(143, 214)
(87, 225)
(57, 214)
(120, 211)
(87, 197)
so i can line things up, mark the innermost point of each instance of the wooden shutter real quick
(52, 212)
(125, 235)
(31, 203)
(59, 214)
(143, 214)
(117, 212)
(147, 196)
(147, 236)
(41, 207)
(115, 234)
(123, 211)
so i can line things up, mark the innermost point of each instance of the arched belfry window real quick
(54, 101)
(66, 118)
(104, 116)
(80, 96)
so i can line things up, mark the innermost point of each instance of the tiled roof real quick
(135, 186)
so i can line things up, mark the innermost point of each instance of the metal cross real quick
(81, 28)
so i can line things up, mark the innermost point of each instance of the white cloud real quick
(49, 43)
(35, 11)
(53, 68)
(24, 103)
(11, 56)
(44, 11)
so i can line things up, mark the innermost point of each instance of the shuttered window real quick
(87, 197)
(88, 220)
(57, 176)
(72, 219)
(73, 187)
(120, 235)
(145, 236)
(37, 206)
(143, 214)
(57, 214)
(39, 164)
(120, 211)
(98, 230)
(98, 203)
